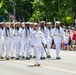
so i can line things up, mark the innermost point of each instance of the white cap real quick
(36, 24)
(1, 22)
(23, 22)
(7, 22)
(27, 22)
(58, 22)
(17, 23)
(42, 22)
(49, 23)
(31, 23)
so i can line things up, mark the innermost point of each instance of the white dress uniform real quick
(23, 37)
(38, 38)
(17, 41)
(31, 41)
(8, 41)
(12, 43)
(49, 39)
(44, 33)
(58, 36)
(28, 43)
(2, 41)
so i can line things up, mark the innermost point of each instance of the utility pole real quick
(14, 2)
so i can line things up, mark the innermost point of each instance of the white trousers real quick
(49, 43)
(37, 53)
(28, 45)
(2, 45)
(12, 47)
(8, 46)
(57, 42)
(17, 45)
(23, 47)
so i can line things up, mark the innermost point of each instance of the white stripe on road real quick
(49, 67)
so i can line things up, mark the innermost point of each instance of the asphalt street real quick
(65, 66)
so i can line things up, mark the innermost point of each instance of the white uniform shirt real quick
(23, 33)
(38, 38)
(49, 34)
(2, 34)
(43, 30)
(58, 33)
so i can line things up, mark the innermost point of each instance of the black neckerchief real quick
(17, 28)
(7, 28)
(58, 28)
(28, 27)
(49, 28)
(23, 28)
(42, 27)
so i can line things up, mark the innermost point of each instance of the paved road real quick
(65, 66)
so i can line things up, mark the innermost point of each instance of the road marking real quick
(60, 69)
(49, 67)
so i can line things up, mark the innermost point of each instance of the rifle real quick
(45, 50)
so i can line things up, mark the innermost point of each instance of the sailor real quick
(31, 41)
(23, 37)
(58, 33)
(49, 37)
(38, 38)
(28, 43)
(43, 29)
(12, 39)
(17, 39)
(2, 39)
(8, 40)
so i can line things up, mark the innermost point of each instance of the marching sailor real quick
(12, 39)
(23, 37)
(8, 40)
(58, 33)
(2, 39)
(49, 37)
(17, 39)
(43, 29)
(28, 40)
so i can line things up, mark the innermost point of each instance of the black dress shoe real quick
(42, 58)
(48, 56)
(58, 58)
(30, 56)
(17, 58)
(12, 57)
(34, 56)
(23, 57)
(7, 58)
(2, 57)
(27, 58)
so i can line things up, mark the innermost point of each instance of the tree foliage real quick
(35, 10)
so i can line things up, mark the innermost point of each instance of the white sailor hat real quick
(36, 24)
(1, 22)
(23, 22)
(31, 23)
(57, 22)
(42, 22)
(17, 23)
(7, 22)
(49, 23)
(27, 22)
